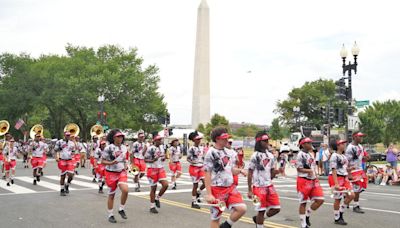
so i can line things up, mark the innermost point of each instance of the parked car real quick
(375, 155)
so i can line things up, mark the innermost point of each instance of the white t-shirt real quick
(220, 164)
(261, 164)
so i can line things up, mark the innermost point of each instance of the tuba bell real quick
(133, 169)
(4, 127)
(72, 128)
(36, 129)
(97, 130)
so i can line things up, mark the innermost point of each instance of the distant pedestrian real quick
(326, 154)
(391, 156)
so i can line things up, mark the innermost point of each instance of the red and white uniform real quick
(261, 164)
(99, 168)
(66, 163)
(339, 163)
(37, 150)
(308, 186)
(195, 156)
(138, 151)
(93, 147)
(220, 163)
(155, 170)
(77, 153)
(10, 157)
(116, 173)
(355, 155)
(175, 164)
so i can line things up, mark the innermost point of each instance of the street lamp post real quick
(349, 68)
(101, 99)
(296, 111)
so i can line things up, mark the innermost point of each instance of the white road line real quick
(14, 188)
(76, 182)
(42, 183)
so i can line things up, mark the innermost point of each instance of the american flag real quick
(19, 124)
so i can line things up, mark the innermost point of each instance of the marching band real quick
(215, 170)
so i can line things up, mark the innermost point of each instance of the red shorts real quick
(361, 181)
(66, 166)
(175, 167)
(37, 162)
(113, 179)
(229, 195)
(236, 180)
(344, 184)
(196, 173)
(92, 161)
(140, 164)
(44, 157)
(268, 197)
(155, 175)
(77, 158)
(100, 169)
(10, 165)
(309, 189)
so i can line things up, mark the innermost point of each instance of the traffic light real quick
(340, 116)
(323, 113)
(331, 114)
(167, 118)
(341, 89)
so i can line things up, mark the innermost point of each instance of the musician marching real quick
(114, 158)
(98, 166)
(10, 152)
(174, 154)
(155, 157)
(38, 150)
(93, 146)
(137, 158)
(64, 156)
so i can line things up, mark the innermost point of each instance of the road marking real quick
(42, 183)
(76, 182)
(14, 188)
(225, 215)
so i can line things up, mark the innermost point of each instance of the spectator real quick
(391, 156)
(326, 154)
(372, 174)
(388, 174)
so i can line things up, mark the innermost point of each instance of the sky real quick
(260, 49)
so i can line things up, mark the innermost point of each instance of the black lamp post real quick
(349, 68)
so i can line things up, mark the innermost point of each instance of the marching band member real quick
(174, 164)
(354, 154)
(239, 163)
(114, 158)
(64, 156)
(46, 150)
(220, 167)
(37, 149)
(11, 151)
(99, 167)
(93, 147)
(339, 181)
(76, 154)
(195, 157)
(83, 152)
(261, 172)
(137, 158)
(1, 159)
(155, 157)
(308, 186)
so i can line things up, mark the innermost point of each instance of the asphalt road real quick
(25, 205)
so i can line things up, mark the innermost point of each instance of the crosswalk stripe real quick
(76, 182)
(14, 188)
(42, 183)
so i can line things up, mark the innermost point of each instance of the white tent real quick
(178, 133)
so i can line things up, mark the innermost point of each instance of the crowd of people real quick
(214, 170)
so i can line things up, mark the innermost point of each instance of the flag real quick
(19, 124)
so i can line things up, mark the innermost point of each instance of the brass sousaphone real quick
(4, 127)
(72, 128)
(36, 129)
(97, 130)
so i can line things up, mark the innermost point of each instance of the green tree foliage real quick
(247, 131)
(54, 90)
(275, 131)
(310, 98)
(216, 121)
(381, 122)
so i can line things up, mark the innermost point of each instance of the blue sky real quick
(283, 43)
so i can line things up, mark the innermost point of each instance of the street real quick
(26, 205)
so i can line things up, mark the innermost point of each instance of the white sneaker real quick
(383, 183)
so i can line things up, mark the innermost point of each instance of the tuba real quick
(133, 169)
(97, 130)
(4, 127)
(72, 128)
(36, 129)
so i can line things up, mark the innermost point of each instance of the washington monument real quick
(201, 80)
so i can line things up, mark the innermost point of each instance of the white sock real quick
(342, 207)
(135, 185)
(308, 212)
(194, 199)
(152, 205)
(336, 214)
(259, 225)
(110, 212)
(158, 197)
(121, 207)
(62, 186)
(303, 220)
(230, 222)
(356, 204)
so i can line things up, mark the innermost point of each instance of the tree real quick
(216, 121)
(310, 98)
(381, 122)
(247, 131)
(275, 131)
(55, 90)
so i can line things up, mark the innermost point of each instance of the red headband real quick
(223, 136)
(262, 138)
